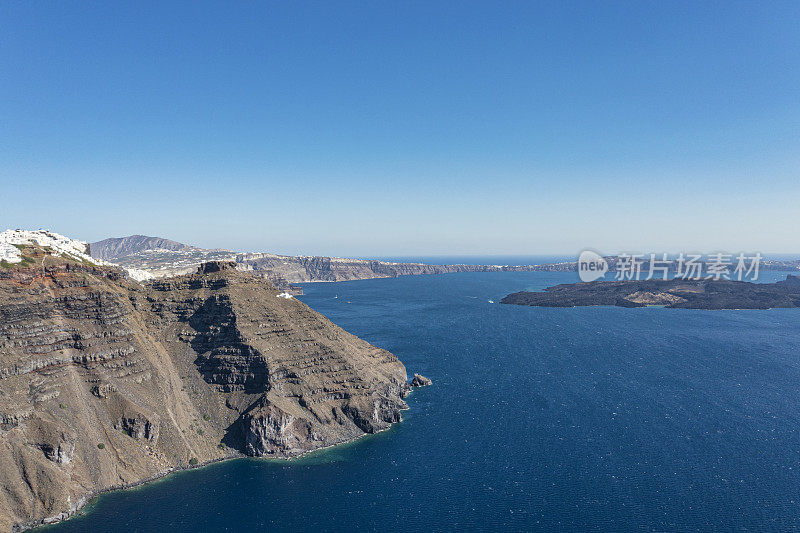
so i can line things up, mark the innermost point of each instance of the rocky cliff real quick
(302, 269)
(151, 255)
(105, 382)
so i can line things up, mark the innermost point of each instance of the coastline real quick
(92, 497)
(89, 498)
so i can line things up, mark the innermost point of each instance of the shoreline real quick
(90, 498)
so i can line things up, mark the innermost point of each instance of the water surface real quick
(577, 419)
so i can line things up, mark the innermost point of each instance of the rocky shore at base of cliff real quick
(420, 381)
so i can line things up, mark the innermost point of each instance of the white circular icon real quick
(591, 266)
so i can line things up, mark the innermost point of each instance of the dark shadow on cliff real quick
(224, 359)
(234, 436)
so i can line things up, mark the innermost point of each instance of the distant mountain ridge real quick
(161, 257)
(158, 257)
(116, 247)
(155, 257)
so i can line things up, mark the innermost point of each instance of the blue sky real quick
(391, 128)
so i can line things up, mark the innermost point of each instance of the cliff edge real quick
(106, 383)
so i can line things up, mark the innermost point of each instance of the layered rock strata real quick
(105, 382)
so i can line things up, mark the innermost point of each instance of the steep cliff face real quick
(303, 269)
(105, 382)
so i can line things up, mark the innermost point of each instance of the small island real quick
(673, 293)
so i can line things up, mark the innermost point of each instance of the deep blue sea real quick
(597, 418)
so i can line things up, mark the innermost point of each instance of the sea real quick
(538, 419)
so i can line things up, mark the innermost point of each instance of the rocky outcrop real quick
(216, 266)
(105, 382)
(56, 444)
(420, 381)
(139, 427)
(268, 431)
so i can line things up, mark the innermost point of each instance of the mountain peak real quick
(116, 247)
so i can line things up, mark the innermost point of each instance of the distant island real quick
(673, 293)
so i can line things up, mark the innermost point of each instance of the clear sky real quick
(391, 128)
